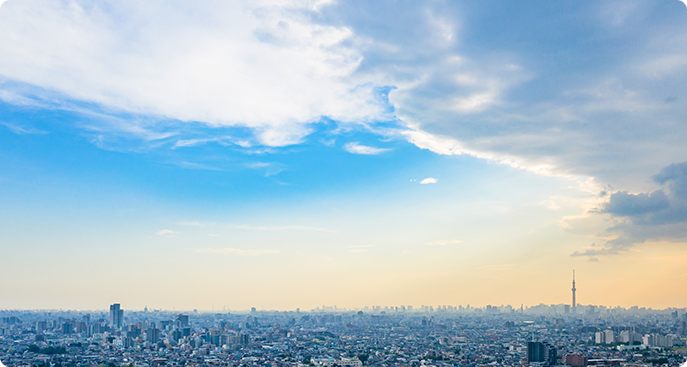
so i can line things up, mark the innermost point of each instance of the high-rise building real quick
(41, 326)
(600, 337)
(629, 337)
(133, 331)
(176, 335)
(127, 342)
(116, 316)
(658, 340)
(81, 327)
(67, 328)
(540, 352)
(610, 336)
(574, 302)
(96, 328)
(153, 334)
(244, 339)
(605, 337)
(182, 321)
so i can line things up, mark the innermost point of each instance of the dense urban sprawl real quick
(327, 336)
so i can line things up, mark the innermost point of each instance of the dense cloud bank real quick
(660, 215)
(664, 206)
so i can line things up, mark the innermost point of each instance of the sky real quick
(293, 154)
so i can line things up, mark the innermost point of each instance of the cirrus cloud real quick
(283, 228)
(234, 251)
(357, 148)
(167, 233)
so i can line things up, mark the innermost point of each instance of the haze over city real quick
(293, 154)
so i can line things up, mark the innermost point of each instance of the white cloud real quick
(356, 148)
(196, 223)
(283, 228)
(235, 251)
(182, 143)
(264, 66)
(475, 102)
(167, 233)
(359, 248)
(17, 99)
(443, 242)
(429, 180)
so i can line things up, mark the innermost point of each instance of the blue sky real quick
(303, 153)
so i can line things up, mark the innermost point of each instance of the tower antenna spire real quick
(574, 303)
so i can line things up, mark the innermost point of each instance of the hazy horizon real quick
(330, 308)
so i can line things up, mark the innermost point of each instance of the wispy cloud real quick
(234, 251)
(593, 252)
(20, 130)
(17, 99)
(283, 228)
(356, 148)
(193, 142)
(167, 233)
(443, 242)
(223, 140)
(358, 248)
(270, 169)
(196, 224)
(193, 165)
(429, 180)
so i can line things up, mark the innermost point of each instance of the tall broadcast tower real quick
(574, 305)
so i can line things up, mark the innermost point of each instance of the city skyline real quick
(560, 309)
(116, 312)
(294, 154)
